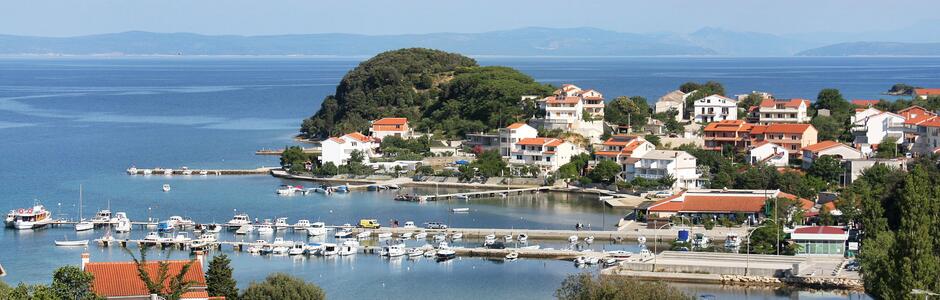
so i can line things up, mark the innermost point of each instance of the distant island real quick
(529, 41)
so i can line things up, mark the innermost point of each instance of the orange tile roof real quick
(918, 119)
(117, 279)
(337, 140)
(822, 146)
(555, 143)
(726, 125)
(865, 103)
(912, 108)
(931, 122)
(564, 100)
(515, 125)
(391, 121)
(927, 92)
(791, 103)
(539, 141)
(358, 136)
(718, 202)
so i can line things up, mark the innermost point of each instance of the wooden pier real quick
(198, 172)
(484, 194)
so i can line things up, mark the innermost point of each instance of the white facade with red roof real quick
(783, 111)
(770, 154)
(926, 93)
(723, 202)
(384, 127)
(714, 108)
(548, 154)
(820, 240)
(657, 164)
(338, 150)
(871, 127)
(828, 148)
(620, 148)
(566, 109)
(509, 136)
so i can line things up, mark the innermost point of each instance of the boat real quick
(68, 243)
(348, 248)
(393, 250)
(166, 226)
(213, 228)
(203, 172)
(385, 235)
(593, 260)
(286, 190)
(82, 225)
(188, 172)
(700, 240)
(489, 239)
(456, 236)
(462, 197)
(168, 172)
(265, 229)
(440, 236)
(152, 236)
(523, 237)
(245, 229)
(297, 249)
(118, 216)
(512, 255)
(132, 170)
(732, 240)
(508, 237)
(445, 254)
(281, 224)
(641, 239)
(421, 235)
(460, 210)
(409, 224)
(238, 220)
(619, 253)
(182, 237)
(182, 222)
(683, 236)
(341, 189)
(573, 239)
(102, 217)
(198, 244)
(406, 235)
(443, 245)
(329, 249)
(580, 261)
(148, 171)
(281, 249)
(430, 253)
(8, 222)
(312, 248)
(610, 262)
(532, 247)
(364, 234)
(345, 233)
(166, 187)
(124, 225)
(301, 224)
(316, 229)
(392, 186)
(589, 239)
(255, 248)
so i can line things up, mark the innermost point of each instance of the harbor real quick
(184, 171)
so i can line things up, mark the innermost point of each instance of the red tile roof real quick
(391, 121)
(822, 146)
(820, 230)
(358, 136)
(564, 100)
(727, 125)
(931, 122)
(117, 279)
(786, 128)
(337, 140)
(515, 125)
(719, 202)
(865, 103)
(540, 141)
(927, 92)
(790, 103)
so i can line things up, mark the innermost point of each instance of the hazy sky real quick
(260, 17)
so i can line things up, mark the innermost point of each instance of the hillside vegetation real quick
(435, 90)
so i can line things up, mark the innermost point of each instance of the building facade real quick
(674, 100)
(783, 111)
(657, 164)
(770, 154)
(548, 154)
(621, 148)
(338, 150)
(828, 148)
(509, 136)
(715, 108)
(871, 127)
(384, 127)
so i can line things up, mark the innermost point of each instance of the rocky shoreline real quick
(822, 283)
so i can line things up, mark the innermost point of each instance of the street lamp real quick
(656, 243)
(926, 293)
(747, 252)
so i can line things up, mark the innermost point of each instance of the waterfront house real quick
(697, 204)
(926, 93)
(855, 167)
(768, 153)
(621, 148)
(871, 127)
(792, 137)
(509, 136)
(657, 164)
(338, 150)
(120, 280)
(732, 134)
(828, 148)
(548, 154)
(384, 127)
(566, 110)
(783, 111)
(715, 108)
(820, 240)
(674, 100)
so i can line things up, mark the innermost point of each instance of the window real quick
(548, 158)
(793, 137)
(519, 157)
(793, 147)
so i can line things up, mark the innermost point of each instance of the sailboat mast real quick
(80, 201)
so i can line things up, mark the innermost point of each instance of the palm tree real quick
(161, 283)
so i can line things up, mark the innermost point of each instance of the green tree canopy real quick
(584, 286)
(219, 280)
(70, 282)
(888, 148)
(634, 111)
(280, 286)
(605, 171)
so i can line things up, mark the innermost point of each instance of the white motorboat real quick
(188, 172)
(132, 170)
(301, 224)
(182, 222)
(281, 250)
(316, 229)
(462, 197)
(456, 236)
(641, 239)
(348, 248)
(119, 216)
(701, 240)
(573, 239)
(152, 236)
(168, 172)
(102, 217)
(281, 224)
(198, 244)
(589, 239)
(385, 235)
(393, 250)
(123, 225)
(507, 237)
(297, 249)
(312, 248)
(421, 235)
(440, 236)
(460, 210)
(489, 239)
(512, 255)
(255, 248)
(67, 243)
(265, 229)
(364, 234)
(203, 172)
(84, 225)
(166, 187)
(329, 249)
(245, 229)
(182, 237)
(9, 219)
(523, 237)
(430, 253)
(406, 235)
(345, 233)
(732, 240)
(148, 171)
(532, 247)
(443, 245)
(32, 218)
(415, 252)
(213, 228)
(580, 260)
(593, 260)
(619, 253)
(239, 220)
(208, 237)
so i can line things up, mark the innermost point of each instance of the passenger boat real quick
(445, 254)
(732, 240)
(32, 218)
(245, 229)
(512, 255)
(316, 229)
(68, 243)
(102, 217)
(393, 250)
(239, 220)
(265, 229)
(281, 224)
(301, 224)
(523, 237)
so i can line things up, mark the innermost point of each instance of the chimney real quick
(85, 259)
(199, 257)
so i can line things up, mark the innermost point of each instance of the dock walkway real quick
(484, 194)
(198, 172)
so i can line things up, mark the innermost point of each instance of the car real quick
(369, 223)
(435, 225)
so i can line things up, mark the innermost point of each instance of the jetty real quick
(484, 194)
(198, 172)
(307, 150)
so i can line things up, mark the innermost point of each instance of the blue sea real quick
(67, 122)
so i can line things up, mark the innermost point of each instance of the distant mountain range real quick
(532, 41)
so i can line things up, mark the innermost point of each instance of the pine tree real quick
(219, 278)
(917, 266)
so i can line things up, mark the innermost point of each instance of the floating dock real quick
(484, 194)
(198, 172)
(312, 150)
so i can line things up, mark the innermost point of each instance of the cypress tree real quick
(917, 265)
(219, 279)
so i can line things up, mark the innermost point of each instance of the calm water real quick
(67, 122)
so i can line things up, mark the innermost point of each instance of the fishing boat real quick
(32, 218)
(329, 249)
(393, 250)
(281, 224)
(239, 220)
(364, 234)
(512, 255)
(316, 229)
(348, 248)
(265, 229)
(102, 217)
(523, 237)
(415, 252)
(123, 225)
(68, 243)
(297, 249)
(406, 235)
(245, 229)
(460, 210)
(445, 254)
(301, 224)
(166, 187)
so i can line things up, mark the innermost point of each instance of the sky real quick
(267, 17)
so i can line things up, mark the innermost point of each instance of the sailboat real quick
(82, 224)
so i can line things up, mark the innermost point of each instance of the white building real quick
(871, 126)
(715, 108)
(770, 154)
(566, 110)
(672, 100)
(783, 111)
(509, 136)
(855, 167)
(548, 154)
(830, 148)
(338, 150)
(620, 148)
(657, 164)
(384, 127)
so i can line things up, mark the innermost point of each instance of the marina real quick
(196, 172)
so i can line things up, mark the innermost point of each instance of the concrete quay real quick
(197, 172)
